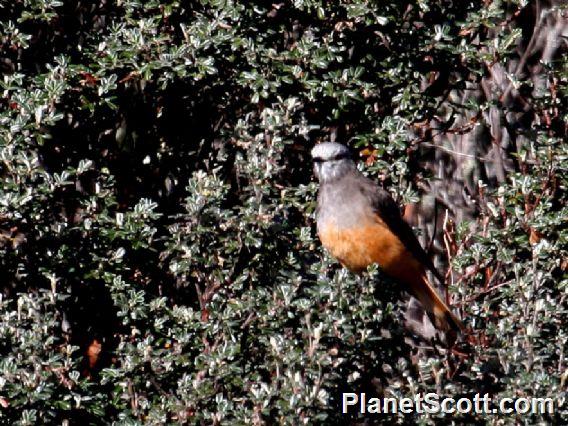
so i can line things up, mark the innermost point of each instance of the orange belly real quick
(357, 248)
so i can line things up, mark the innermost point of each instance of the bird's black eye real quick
(336, 157)
(340, 156)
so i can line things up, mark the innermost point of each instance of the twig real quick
(489, 290)
(459, 154)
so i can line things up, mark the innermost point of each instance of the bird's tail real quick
(438, 311)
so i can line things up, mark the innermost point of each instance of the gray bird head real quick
(331, 161)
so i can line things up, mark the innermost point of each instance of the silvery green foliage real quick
(157, 245)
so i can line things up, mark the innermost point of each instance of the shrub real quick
(159, 257)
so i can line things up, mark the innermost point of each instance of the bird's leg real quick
(360, 280)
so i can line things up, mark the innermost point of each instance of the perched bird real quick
(360, 224)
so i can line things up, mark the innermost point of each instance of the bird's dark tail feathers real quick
(441, 315)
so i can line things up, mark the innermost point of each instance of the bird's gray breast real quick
(342, 205)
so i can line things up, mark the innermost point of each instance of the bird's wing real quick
(385, 207)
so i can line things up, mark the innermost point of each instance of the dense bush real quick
(158, 252)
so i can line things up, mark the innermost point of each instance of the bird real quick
(360, 224)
